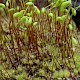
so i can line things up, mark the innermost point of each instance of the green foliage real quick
(38, 44)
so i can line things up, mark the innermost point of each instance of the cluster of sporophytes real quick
(38, 44)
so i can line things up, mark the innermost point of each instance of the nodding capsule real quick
(76, 18)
